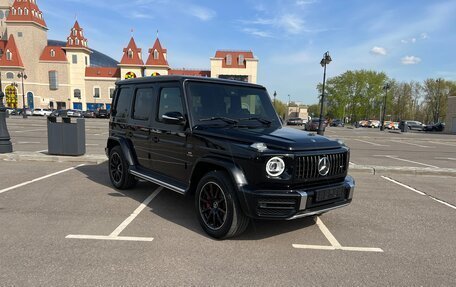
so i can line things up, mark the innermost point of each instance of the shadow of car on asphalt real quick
(180, 209)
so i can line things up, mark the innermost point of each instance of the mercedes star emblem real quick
(323, 166)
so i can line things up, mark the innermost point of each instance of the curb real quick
(36, 156)
(395, 170)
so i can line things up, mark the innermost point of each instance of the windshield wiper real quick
(261, 120)
(226, 120)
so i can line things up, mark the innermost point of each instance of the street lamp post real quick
(437, 114)
(5, 139)
(325, 61)
(385, 87)
(23, 77)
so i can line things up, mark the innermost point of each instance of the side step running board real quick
(157, 181)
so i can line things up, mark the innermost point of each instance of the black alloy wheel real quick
(118, 170)
(212, 205)
(217, 206)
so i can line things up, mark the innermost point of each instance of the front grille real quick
(276, 207)
(307, 166)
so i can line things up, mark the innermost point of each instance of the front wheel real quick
(217, 206)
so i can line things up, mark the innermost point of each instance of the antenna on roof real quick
(157, 33)
(76, 16)
(131, 32)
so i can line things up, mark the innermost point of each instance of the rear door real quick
(168, 145)
(139, 131)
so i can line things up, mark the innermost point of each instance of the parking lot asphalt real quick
(62, 223)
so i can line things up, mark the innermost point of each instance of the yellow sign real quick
(11, 96)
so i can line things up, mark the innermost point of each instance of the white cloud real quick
(202, 13)
(256, 32)
(424, 36)
(410, 60)
(413, 40)
(139, 15)
(291, 23)
(378, 51)
(305, 2)
(404, 41)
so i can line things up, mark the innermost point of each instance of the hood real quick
(275, 138)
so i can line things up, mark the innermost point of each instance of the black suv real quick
(222, 141)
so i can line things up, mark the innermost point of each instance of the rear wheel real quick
(217, 206)
(118, 170)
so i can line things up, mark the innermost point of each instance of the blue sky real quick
(408, 40)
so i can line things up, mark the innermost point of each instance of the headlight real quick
(275, 166)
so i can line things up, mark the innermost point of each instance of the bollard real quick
(5, 140)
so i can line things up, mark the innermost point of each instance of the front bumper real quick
(292, 204)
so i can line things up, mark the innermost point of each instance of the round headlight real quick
(275, 166)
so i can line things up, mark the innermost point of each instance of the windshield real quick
(212, 103)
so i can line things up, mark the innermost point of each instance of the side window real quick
(170, 101)
(143, 104)
(123, 103)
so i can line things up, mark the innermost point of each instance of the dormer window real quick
(26, 11)
(155, 54)
(9, 55)
(76, 41)
(13, 11)
(228, 59)
(19, 11)
(52, 53)
(74, 32)
(71, 42)
(80, 32)
(130, 54)
(241, 60)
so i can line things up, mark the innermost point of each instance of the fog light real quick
(275, 166)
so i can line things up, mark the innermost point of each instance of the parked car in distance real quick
(312, 125)
(373, 124)
(28, 111)
(438, 127)
(59, 113)
(74, 113)
(102, 113)
(336, 123)
(12, 111)
(88, 114)
(412, 125)
(295, 122)
(41, 112)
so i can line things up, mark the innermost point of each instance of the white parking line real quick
(38, 179)
(335, 245)
(375, 144)
(419, 192)
(35, 130)
(406, 160)
(402, 142)
(115, 234)
(44, 150)
(442, 143)
(28, 143)
(449, 158)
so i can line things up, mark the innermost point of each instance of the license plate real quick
(328, 194)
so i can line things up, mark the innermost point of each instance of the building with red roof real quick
(70, 74)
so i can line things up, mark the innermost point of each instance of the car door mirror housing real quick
(173, 118)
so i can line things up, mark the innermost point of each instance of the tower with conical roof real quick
(131, 65)
(157, 63)
(26, 23)
(78, 55)
(5, 6)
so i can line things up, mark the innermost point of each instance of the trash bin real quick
(66, 138)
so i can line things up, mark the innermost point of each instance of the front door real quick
(30, 103)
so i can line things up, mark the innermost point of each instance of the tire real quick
(118, 170)
(217, 206)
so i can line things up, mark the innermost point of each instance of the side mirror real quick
(173, 118)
